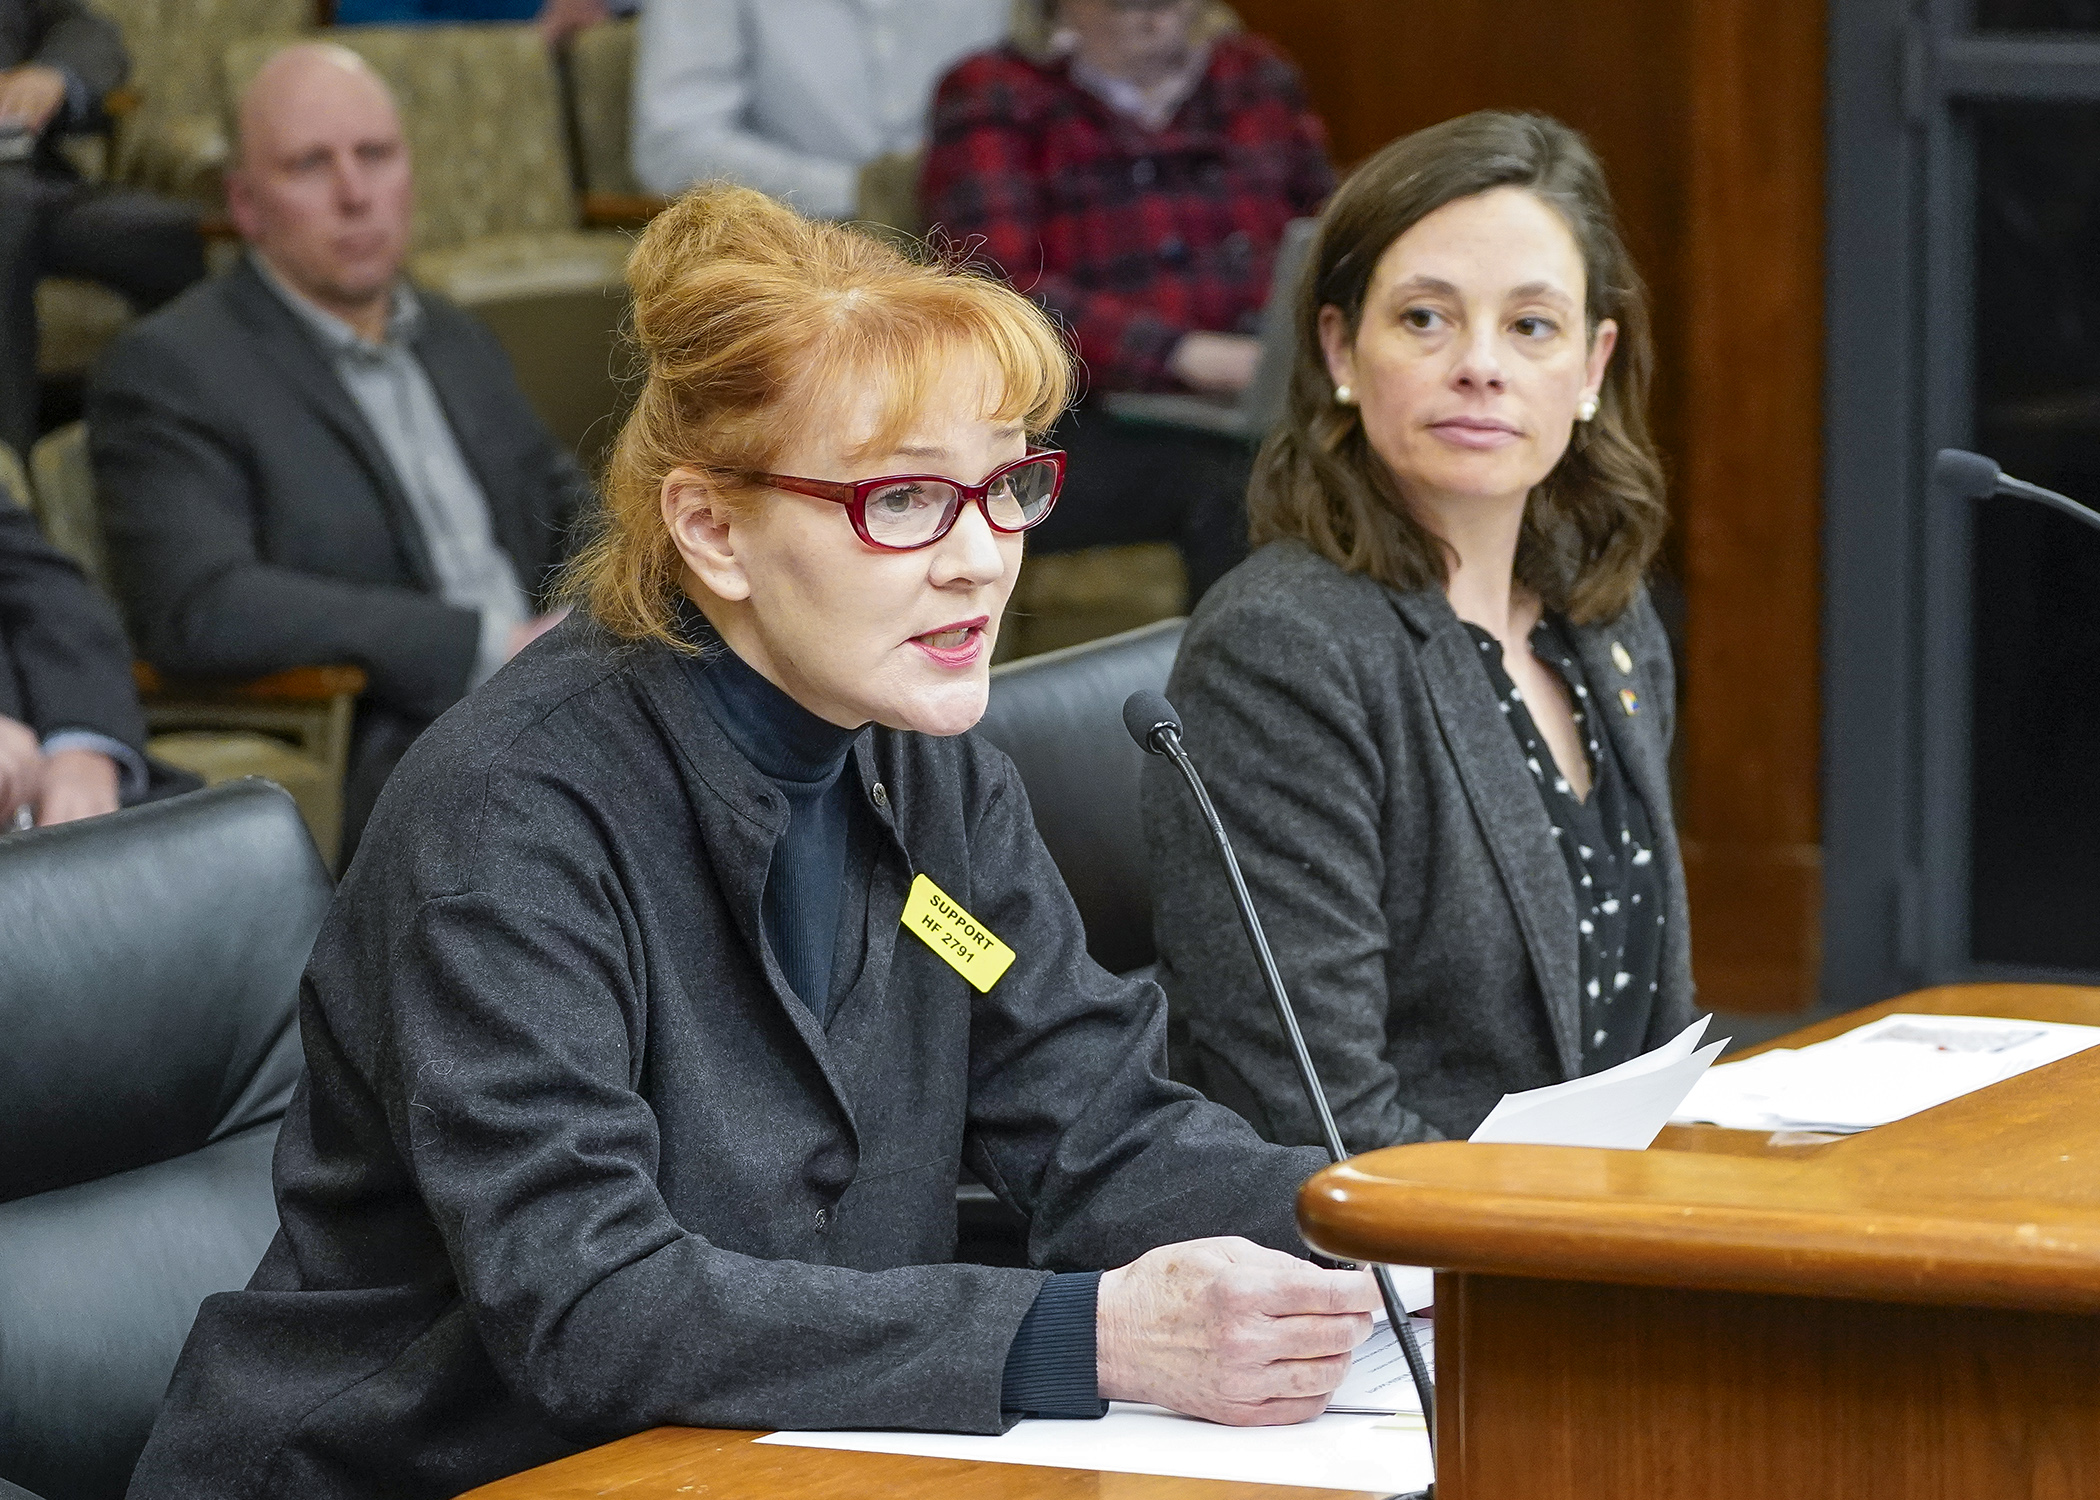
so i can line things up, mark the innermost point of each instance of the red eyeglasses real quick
(902, 511)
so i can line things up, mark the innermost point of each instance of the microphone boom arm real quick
(2063, 504)
(1165, 739)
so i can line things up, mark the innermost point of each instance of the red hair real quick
(749, 317)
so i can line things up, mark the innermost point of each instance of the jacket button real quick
(823, 1219)
(882, 798)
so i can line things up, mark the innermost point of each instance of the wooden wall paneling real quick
(1708, 119)
(1749, 485)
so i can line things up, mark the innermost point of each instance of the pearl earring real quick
(1344, 396)
(1587, 410)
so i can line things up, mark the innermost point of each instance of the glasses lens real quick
(906, 514)
(1023, 494)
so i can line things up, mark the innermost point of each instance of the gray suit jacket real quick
(570, 1159)
(254, 522)
(1396, 848)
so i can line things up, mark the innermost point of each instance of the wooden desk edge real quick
(1927, 1253)
(678, 1460)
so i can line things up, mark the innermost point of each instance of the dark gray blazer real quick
(1396, 847)
(571, 1160)
(253, 520)
(64, 662)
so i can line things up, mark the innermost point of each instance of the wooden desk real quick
(680, 1461)
(1908, 1314)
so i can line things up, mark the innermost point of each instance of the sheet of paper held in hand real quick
(1371, 1436)
(1878, 1072)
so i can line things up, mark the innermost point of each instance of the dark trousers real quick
(1130, 483)
(143, 247)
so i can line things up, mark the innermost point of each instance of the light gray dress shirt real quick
(793, 97)
(395, 395)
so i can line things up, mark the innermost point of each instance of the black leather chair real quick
(1060, 717)
(149, 1040)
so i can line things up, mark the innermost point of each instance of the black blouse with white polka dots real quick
(1609, 844)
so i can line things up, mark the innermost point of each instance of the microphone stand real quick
(1163, 737)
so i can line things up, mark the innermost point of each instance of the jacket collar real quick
(1506, 805)
(741, 816)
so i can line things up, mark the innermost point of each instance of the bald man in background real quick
(307, 460)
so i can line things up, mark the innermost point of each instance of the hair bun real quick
(708, 229)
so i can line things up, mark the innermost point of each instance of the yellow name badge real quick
(955, 935)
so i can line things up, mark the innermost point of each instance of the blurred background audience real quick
(1132, 164)
(59, 62)
(306, 459)
(809, 100)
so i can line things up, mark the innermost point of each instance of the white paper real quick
(1378, 1378)
(1876, 1073)
(1622, 1108)
(1335, 1451)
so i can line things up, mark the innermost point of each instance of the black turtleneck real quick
(805, 757)
(1050, 1367)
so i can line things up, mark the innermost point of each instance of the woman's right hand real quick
(1227, 1330)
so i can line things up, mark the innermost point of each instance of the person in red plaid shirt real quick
(1134, 176)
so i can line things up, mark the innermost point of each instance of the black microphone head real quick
(1969, 475)
(1145, 713)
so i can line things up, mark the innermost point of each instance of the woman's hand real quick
(1229, 1331)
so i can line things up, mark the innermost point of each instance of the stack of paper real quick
(1337, 1451)
(1879, 1072)
(1622, 1108)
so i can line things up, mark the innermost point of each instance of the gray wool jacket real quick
(1396, 848)
(569, 1159)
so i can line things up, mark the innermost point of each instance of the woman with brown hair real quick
(1435, 706)
(685, 961)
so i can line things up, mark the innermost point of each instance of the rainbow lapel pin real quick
(1630, 701)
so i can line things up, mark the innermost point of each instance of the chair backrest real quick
(14, 481)
(65, 499)
(149, 1001)
(175, 46)
(482, 112)
(1060, 718)
(601, 95)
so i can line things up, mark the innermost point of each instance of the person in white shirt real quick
(793, 97)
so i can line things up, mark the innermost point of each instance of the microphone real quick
(1971, 476)
(1155, 726)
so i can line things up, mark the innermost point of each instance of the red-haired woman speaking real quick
(685, 962)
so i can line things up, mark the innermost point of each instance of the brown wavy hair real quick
(1592, 526)
(747, 318)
